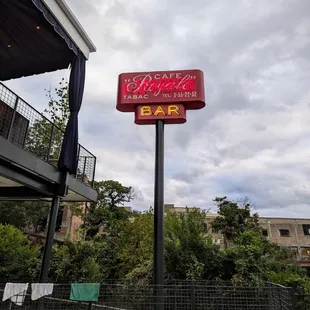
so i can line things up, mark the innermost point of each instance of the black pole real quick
(49, 239)
(159, 215)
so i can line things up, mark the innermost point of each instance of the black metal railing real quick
(29, 129)
(182, 296)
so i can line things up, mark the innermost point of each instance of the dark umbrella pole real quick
(159, 217)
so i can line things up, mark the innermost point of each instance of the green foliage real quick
(18, 257)
(295, 280)
(58, 109)
(105, 212)
(250, 257)
(113, 221)
(75, 262)
(249, 254)
(124, 248)
(113, 193)
(38, 138)
(28, 215)
(135, 247)
(40, 132)
(233, 219)
(189, 251)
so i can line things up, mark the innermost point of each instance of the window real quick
(265, 232)
(305, 252)
(284, 232)
(205, 227)
(306, 229)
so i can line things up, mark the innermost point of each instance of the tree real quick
(253, 259)
(189, 250)
(135, 247)
(28, 216)
(58, 109)
(112, 219)
(233, 219)
(75, 262)
(54, 124)
(105, 212)
(113, 194)
(18, 257)
(250, 257)
(124, 249)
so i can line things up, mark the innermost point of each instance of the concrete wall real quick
(297, 239)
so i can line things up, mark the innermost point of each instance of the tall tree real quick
(233, 219)
(58, 110)
(39, 136)
(105, 212)
(135, 247)
(113, 194)
(189, 250)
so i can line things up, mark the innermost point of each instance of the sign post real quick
(158, 271)
(159, 98)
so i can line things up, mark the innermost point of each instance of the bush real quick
(19, 258)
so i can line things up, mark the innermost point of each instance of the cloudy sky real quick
(253, 137)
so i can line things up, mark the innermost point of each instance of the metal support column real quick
(159, 216)
(49, 239)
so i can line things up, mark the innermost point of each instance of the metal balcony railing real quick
(29, 129)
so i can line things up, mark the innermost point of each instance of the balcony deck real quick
(29, 131)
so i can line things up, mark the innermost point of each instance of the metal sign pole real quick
(159, 215)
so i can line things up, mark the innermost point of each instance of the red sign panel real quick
(170, 113)
(161, 87)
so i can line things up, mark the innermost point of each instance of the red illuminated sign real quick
(182, 88)
(170, 113)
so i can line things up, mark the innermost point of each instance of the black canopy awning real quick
(31, 40)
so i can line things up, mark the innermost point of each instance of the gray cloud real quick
(252, 137)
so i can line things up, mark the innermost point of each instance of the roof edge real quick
(63, 5)
(62, 13)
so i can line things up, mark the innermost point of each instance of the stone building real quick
(289, 232)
